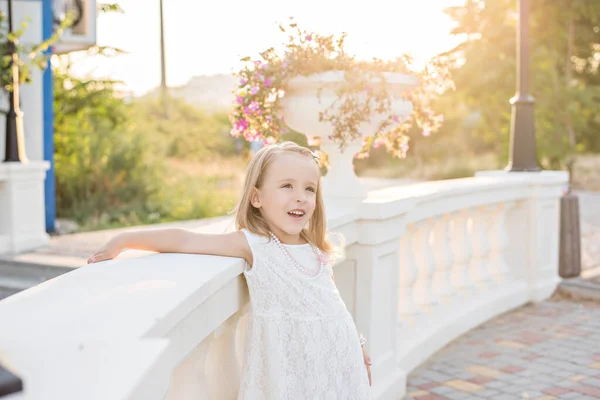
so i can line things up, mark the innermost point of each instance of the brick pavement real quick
(544, 351)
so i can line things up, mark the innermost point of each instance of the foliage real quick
(565, 54)
(121, 163)
(188, 133)
(36, 56)
(101, 165)
(263, 83)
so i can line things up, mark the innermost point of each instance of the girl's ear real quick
(255, 198)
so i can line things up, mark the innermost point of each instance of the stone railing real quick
(424, 264)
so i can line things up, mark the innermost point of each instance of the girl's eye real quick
(287, 185)
(311, 189)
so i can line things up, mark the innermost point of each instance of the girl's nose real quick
(301, 197)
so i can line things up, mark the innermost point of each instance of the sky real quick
(205, 38)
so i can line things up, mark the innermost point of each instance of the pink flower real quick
(378, 142)
(243, 82)
(240, 100)
(284, 64)
(241, 125)
(395, 119)
(254, 90)
(308, 38)
(254, 106)
(268, 82)
(246, 110)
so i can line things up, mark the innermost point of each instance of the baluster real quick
(501, 270)
(479, 267)
(442, 240)
(224, 376)
(190, 379)
(423, 290)
(408, 273)
(461, 248)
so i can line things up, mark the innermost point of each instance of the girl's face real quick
(287, 196)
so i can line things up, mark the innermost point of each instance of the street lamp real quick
(15, 143)
(523, 154)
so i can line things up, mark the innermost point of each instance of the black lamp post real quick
(15, 144)
(523, 154)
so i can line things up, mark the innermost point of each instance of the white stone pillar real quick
(22, 212)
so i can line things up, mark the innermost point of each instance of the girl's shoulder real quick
(254, 239)
(256, 243)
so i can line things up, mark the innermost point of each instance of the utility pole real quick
(163, 68)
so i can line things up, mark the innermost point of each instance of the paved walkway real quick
(544, 351)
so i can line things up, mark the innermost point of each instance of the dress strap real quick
(256, 242)
(253, 239)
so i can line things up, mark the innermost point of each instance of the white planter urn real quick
(301, 106)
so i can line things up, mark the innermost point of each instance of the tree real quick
(565, 53)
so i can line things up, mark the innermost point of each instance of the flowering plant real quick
(263, 82)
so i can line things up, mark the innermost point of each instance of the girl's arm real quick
(176, 240)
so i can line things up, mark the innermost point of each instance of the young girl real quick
(301, 340)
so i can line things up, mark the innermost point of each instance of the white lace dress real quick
(301, 341)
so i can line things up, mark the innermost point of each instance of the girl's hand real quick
(367, 364)
(107, 252)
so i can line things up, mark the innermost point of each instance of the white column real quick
(499, 243)
(189, 380)
(479, 261)
(223, 372)
(461, 246)
(377, 311)
(423, 290)
(442, 244)
(22, 211)
(408, 274)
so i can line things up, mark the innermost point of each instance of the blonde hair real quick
(249, 217)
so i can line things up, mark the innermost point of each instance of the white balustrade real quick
(424, 264)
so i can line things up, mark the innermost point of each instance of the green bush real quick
(186, 132)
(121, 163)
(105, 171)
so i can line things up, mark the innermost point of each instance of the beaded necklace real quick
(290, 259)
